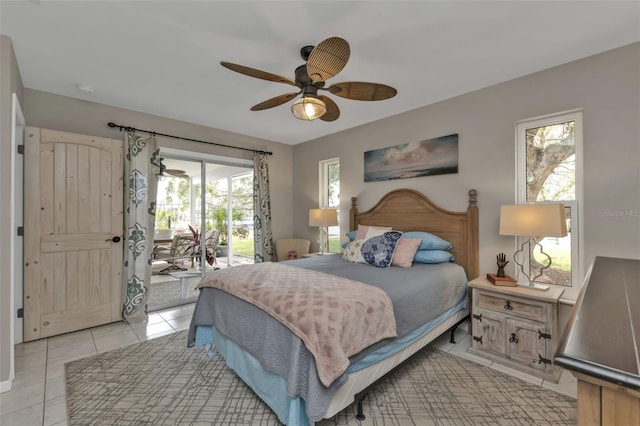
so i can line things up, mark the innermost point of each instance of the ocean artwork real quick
(429, 157)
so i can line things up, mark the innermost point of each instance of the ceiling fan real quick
(177, 173)
(323, 62)
(173, 172)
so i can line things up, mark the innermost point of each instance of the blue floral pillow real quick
(377, 250)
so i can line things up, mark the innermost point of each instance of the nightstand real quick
(516, 326)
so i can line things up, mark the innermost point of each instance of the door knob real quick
(115, 239)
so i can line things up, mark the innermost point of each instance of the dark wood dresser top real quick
(602, 337)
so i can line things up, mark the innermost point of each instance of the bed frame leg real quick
(455, 326)
(360, 415)
(359, 397)
(453, 332)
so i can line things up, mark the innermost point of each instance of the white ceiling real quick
(162, 57)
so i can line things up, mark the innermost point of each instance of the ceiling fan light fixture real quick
(308, 108)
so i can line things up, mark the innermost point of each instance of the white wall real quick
(605, 86)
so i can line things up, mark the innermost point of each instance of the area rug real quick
(162, 382)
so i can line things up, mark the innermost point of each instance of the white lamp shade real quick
(308, 108)
(533, 220)
(323, 217)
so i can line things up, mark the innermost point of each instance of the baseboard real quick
(6, 386)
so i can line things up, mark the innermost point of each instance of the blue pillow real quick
(429, 241)
(433, 256)
(345, 244)
(351, 235)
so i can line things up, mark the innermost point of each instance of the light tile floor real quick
(38, 394)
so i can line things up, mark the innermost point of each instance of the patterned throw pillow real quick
(352, 252)
(377, 250)
(405, 251)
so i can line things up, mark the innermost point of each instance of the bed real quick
(279, 363)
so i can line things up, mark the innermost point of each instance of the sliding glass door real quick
(203, 207)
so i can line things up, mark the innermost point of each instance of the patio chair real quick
(211, 243)
(181, 250)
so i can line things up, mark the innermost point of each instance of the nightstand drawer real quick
(514, 306)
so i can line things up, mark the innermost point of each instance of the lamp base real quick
(526, 250)
(534, 286)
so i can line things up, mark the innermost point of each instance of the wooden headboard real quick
(408, 210)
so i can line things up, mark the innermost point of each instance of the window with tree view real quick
(548, 164)
(330, 197)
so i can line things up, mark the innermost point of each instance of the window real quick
(549, 170)
(330, 197)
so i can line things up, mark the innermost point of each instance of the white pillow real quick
(361, 234)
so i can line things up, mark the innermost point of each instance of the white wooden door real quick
(73, 231)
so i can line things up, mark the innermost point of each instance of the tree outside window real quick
(547, 173)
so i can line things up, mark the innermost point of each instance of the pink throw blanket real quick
(335, 317)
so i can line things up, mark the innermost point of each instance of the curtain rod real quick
(128, 128)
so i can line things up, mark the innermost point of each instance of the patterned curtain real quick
(142, 167)
(263, 239)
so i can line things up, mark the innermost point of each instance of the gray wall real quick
(605, 86)
(56, 112)
(10, 82)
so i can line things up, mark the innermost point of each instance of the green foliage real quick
(334, 244)
(243, 246)
(177, 204)
(163, 219)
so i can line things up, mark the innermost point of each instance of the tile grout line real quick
(44, 394)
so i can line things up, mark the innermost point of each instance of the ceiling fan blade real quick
(328, 58)
(333, 112)
(362, 91)
(252, 72)
(273, 102)
(176, 173)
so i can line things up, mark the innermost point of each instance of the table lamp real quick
(323, 218)
(532, 221)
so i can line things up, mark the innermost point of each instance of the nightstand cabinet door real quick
(529, 343)
(488, 334)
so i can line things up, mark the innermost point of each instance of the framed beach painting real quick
(429, 157)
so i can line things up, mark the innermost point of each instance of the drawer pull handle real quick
(478, 317)
(542, 335)
(513, 338)
(478, 339)
(508, 305)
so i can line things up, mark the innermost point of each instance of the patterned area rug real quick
(162, 382)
